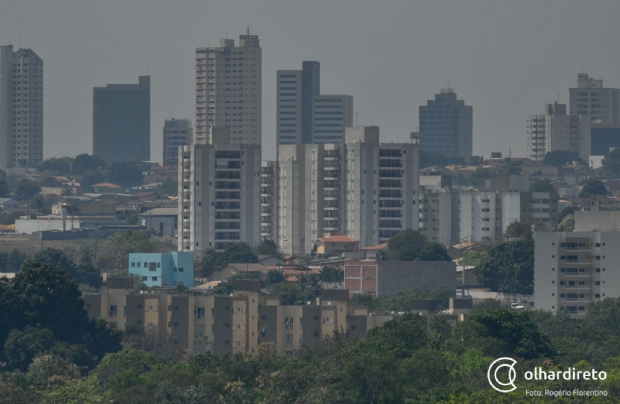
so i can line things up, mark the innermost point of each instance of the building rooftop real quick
(375, 247)
(107, 185)
(161, 212)
(337, 238)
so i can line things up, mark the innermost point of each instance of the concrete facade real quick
(219, 196)
(555, 130)
(439, 209)
(592, 99)
(229, 89)
(163, 269)
(237, 323)
(177, 133)
(331, 114)
(363, 189)
(21, 108)
(575, 269)
(480, 216)
(386, 278)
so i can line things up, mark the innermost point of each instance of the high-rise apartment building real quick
(21, 108)
(592, 99)
(557, 131)
(177, 133)
(268, 198)
(305, 116)
(219, 195)
(572, 270)
(122, 121)
(439, 209)
(229, 89)
(447, 125)
(362, 188)
(480, 216)
(296, 89)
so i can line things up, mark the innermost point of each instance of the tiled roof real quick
(376, 247)
(107, 185)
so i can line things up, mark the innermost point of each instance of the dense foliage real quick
(542, 185)
(213, 260)
(413, 245)
(593, 186)
(508, 267)
(559, 158)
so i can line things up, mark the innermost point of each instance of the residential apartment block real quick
(268, 199)
(21, 108)
(447, 125)
(555, 130)
(177, 133)
(572, 270)
(237, 323)
(122, 121)
(305, 116)
(229, 89)
(439, 209)
(479, 216)
(219, 195)
(592, 99)
(362, 188)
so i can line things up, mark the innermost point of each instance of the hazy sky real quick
(505, 58)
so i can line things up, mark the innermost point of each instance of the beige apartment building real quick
(237, 323)
(229, 89)
(555, 130)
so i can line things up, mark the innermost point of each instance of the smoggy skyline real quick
(506, 59)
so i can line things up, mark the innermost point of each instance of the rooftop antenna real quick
(20, 42)
(247, 30)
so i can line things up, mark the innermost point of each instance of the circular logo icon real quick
(502, 385)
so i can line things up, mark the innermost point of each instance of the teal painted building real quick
(163, 269)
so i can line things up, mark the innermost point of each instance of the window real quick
(200, 312)
(180, 269)
(144, 278)
(113, 311)
(154, 278)
(301, 323)
(288, 323)
(159, 265)
(289, 339)
(133, 264)
(597, 283)
(597, 295)
(152, 267)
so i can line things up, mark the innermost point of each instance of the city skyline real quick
(494, 59)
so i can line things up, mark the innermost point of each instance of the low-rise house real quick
(163, 269)
(107, 188)
(335, 244)
(8, 203)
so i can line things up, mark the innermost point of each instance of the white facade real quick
(219, 196)
(229, 89)
(21, 108)
(479, 216)
(590, 98)
(575, 269)
(362, 188)
(557, 131)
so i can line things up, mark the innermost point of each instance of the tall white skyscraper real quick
(21, 108)
(229, 89)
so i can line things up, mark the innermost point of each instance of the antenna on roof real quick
(20, 42)
(247, 30)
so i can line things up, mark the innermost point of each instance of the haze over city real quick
(506, 60)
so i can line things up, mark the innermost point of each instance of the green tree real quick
(49, 298)
(504, 332)
(267, 247)
(240, 253)
(212, 260)
(274, 277)
(84, 163)
(509, 267)
(472, 258)
(62, 165)
(611, 163)
(522, 230)
(433, 252)
(126, 173)
(26, 189)
(476, 160)
(559, 158)
(593, 186)
(407, 245)
(4, 189)
(82, 273)
(486, 304)
(331, 274)
(542, 185)
(91, 178)
(121, 244)
(168, 187)
(50, 182)
(567, 224)
(567, 211)
(12, 262)
(21, 347)
(103, 337)
(37, 202)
